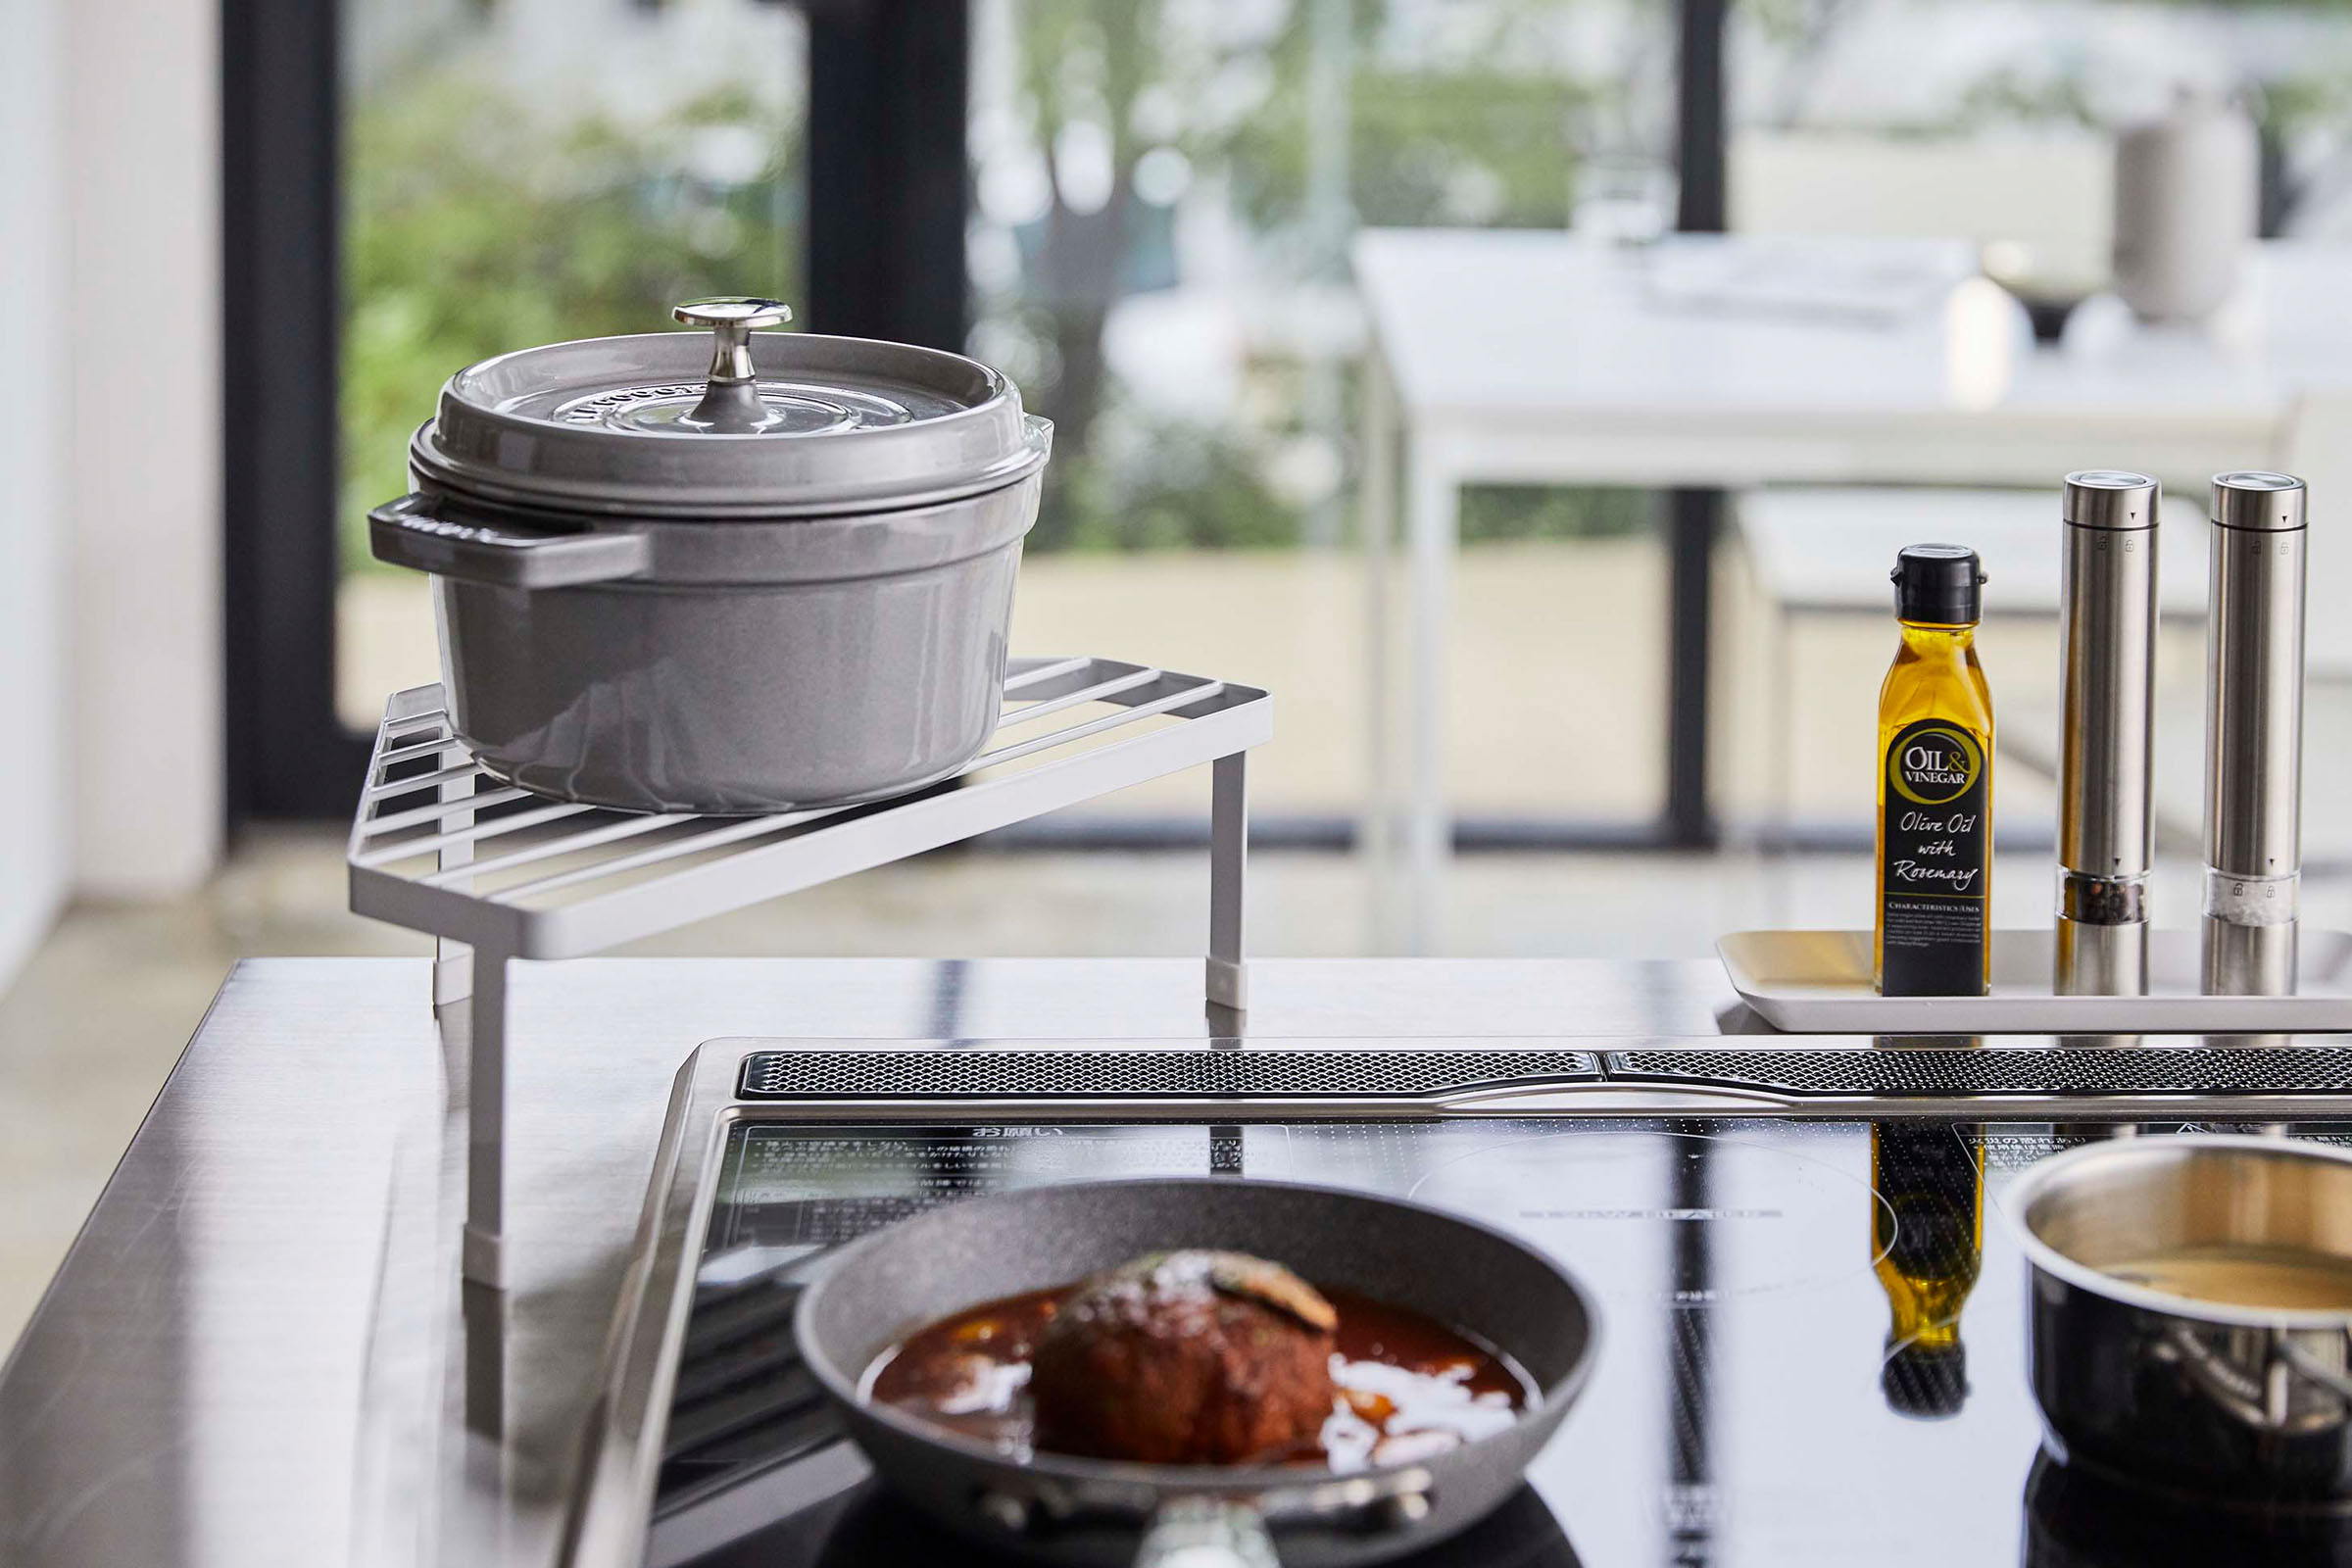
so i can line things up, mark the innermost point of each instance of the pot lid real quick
(737, 422)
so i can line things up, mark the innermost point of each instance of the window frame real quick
(874, 268)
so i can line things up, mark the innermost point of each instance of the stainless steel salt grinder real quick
(2107, 634)
(2254, 735)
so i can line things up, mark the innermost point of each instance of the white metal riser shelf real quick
(440, 845)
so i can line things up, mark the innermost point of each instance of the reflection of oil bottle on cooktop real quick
(1928, 1236)
(1934, 905)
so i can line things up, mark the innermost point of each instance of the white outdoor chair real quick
(2318, 452)
(1826, 551)
(1817, 551)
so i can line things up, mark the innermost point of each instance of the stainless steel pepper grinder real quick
(2254, 735)
(2107, 635)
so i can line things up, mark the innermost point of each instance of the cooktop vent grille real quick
(967, 1073)
(1992, 1071)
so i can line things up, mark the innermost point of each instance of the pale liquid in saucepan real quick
(2242, 1274)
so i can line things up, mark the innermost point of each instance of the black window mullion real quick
(1694, 518)
(887, 190)
(288, 755)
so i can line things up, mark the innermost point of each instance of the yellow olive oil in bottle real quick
(1934, 910)
(1927, 1238)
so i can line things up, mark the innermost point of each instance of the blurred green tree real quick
(1484, 135)
(475, 223)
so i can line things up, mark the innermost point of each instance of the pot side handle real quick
(407, 533)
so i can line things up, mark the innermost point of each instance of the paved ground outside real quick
(1555, 692)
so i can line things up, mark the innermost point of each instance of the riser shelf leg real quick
(486, 1122)
(482, 1248)
(1228, 871)
(453, 962)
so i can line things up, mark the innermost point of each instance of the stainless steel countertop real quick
(248, 1357)
(242, 1360)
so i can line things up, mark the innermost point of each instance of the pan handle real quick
(408, 533)
(1206, 1533)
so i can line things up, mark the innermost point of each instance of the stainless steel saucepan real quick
(730, 572)
(1059, 1509)
(2245, 1407)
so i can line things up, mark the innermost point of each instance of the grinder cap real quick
(2269, 503)
(2109, 498)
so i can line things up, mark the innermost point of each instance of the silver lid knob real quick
(731, 402)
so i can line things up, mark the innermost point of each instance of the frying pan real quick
(1058, 1509)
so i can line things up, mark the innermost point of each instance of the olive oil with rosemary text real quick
(1934, 824)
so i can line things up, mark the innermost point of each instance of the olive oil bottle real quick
(1935, 840)
(1928, 1241)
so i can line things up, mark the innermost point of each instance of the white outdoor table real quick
(1539, 358)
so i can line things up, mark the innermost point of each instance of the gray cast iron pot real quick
(644, 608)
(806, 662)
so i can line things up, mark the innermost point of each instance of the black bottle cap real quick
(1926, 1383)
(1941, 585)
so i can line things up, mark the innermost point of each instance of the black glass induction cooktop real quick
(1811, 1348)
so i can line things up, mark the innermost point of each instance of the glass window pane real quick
(1165, 197)
(1997, 126)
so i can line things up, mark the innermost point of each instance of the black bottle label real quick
(1938, 861)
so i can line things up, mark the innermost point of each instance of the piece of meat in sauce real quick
(1190, 1357)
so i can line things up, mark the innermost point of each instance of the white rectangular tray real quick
(1818, 982)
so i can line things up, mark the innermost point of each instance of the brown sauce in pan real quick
(1410, 1386)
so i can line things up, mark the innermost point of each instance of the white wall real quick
(110, 466)
(142, 151)
(35, 519)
